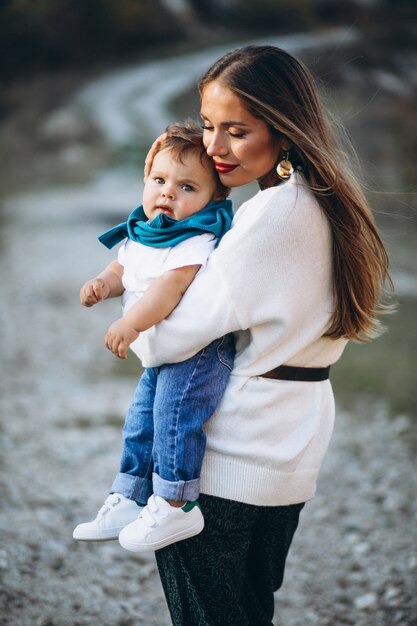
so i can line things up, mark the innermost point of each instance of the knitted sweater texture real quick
(269, 282)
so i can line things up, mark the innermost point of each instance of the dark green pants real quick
(227, 575)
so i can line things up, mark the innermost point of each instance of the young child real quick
(169, 239)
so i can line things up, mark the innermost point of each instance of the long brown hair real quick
(278, 89)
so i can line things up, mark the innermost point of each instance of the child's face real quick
(177, 189)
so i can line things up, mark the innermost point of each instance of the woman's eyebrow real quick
(227, 122)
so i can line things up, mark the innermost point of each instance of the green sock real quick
(188, 506)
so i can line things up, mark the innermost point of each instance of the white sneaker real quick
(116, 512)
(159, 524)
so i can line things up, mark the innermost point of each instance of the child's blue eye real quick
(187, 188)
(159, 180)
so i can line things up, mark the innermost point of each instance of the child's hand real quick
(119, 337)
(94, 291)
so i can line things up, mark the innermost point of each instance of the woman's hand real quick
(151, 155)
(119, 337)
(94, 291)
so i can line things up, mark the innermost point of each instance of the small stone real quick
(321, 514)
(392, 502)
(45, 621)
(311, 617)
(352, 537)
(361, 548)
(367, 601)
(391, 592)
(392, 597)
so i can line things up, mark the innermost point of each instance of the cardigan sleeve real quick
(205, 313)
(271, 269)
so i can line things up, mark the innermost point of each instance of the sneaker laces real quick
(109, 503)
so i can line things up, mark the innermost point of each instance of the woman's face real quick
(242, 146)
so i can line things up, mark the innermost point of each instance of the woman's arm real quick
(205, 313)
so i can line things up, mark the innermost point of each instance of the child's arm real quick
(156, 304)
(108, 284)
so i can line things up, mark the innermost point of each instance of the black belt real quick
(308, 374)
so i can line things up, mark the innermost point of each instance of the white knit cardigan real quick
(269, 282)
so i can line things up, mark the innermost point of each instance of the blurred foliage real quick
(39, 35)
(56, 34)
(300, 14)
(383, 369)
(260, 15)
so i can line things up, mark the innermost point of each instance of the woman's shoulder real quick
(292, 201)
(295, 191)
(280, 223)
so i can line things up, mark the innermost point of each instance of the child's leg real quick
(187, 394)
(134, 480)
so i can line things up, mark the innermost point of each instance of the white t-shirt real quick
(143, 264)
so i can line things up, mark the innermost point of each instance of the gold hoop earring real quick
(285, 168)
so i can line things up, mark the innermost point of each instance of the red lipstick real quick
(224, 168)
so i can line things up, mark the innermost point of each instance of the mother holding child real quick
(298, 272)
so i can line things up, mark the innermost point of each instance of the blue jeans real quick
(163, 436)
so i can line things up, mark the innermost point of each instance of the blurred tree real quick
(270, 15)
(54, 34)
(39, 35)
(262, 15)
(282, 16)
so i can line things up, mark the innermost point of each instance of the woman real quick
(299, 274)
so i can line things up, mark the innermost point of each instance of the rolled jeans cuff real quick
(176, 490)
(132, 487)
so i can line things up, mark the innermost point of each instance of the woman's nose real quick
(216, 146)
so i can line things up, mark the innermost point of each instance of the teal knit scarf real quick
(163, 231)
